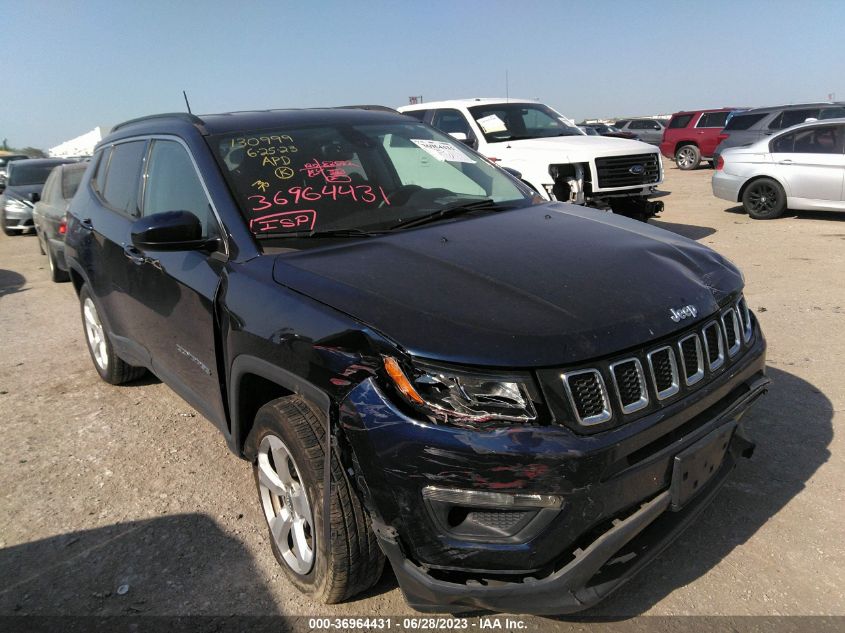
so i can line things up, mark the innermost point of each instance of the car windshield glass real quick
(22, 173)
(344, 180)
(517, 121)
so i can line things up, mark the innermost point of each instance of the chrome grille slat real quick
(661, 361)
(732, 332)
(692, 359)
(629, 381)
(745, 319)
(714, 346)
(588, 396)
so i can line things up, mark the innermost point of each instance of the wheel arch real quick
(681, 144)
(253, 383)
(753, 179)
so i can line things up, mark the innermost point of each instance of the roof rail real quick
(379, 108)
(184, 116)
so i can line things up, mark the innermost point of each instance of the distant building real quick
(81, 145)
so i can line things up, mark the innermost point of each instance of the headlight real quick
(16, 205)
(456, 396)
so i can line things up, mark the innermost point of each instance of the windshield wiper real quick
(350, 232)
(449, 212)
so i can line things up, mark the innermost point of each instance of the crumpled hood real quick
(548, 285)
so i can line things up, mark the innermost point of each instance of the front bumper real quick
(18, 219)
(616, 488)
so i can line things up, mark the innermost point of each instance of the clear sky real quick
(69, 66)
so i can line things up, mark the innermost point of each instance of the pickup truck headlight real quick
(456, 396)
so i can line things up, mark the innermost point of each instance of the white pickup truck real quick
(551, 154)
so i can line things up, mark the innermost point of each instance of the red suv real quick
(692, 136)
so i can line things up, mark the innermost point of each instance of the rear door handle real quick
(134, 255)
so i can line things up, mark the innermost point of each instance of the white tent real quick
(82, 145)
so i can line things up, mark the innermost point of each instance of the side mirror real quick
(170, 231)
(34, 197)
(459, 136)
(516, 174)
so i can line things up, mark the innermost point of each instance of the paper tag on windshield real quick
(492, 123)
(442, 151)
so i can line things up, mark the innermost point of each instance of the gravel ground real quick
(124, 500)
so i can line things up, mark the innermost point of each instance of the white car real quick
(551, 154)
(802, 168)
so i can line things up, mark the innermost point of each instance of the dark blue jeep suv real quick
(517, 403)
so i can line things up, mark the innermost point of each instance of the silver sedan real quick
(802, 168)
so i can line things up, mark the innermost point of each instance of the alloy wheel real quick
(686, 157)
(285, 504)
(762, 198)
(96, 334)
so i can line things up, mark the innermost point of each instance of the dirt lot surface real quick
(123, 500)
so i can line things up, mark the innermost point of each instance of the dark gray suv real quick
(752, 125)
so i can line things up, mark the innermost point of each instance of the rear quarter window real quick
(120, 190)
(744, 121)
(713, 119)
(680, 121)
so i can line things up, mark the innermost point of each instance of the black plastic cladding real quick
(551, 381)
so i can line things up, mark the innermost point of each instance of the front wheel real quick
(688, 157)
(764, 199)
(109, 365)
(286, 443)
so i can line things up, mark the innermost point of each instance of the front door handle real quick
(134, 255)
(785, 161)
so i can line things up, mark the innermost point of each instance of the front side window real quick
(120, 190)
(826, 139)
(517, 121)
(300, 181)
(172, 184)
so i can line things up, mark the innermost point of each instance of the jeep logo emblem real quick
(682, 313)
(637, 170)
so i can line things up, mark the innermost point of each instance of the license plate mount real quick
(694, 467)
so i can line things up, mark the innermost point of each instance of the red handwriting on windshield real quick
(295, 195)
(299, 220)
(332, 171)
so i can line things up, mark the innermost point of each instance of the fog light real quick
(484, 499)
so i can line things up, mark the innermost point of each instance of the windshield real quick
(517, 121)
(356, 178)
(22, 173)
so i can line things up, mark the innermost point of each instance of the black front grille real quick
(587, 394)
(713, 339)
(731, 334)
(689, 348)
(499, 520)
(664, 372)
(627, 171)
(628, 382)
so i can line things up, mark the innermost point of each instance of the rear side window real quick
(680, 121)
(788, 118)
(713, 119)
(173, 185)
(744, 121)
(120, 190)
(70, 181)
(49, 192)
(419, 115)
(834, 112)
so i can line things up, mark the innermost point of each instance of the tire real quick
(764, 199)
(688, 157)
(3, 224)
(290, 429)
(111, 368)
(57, 275)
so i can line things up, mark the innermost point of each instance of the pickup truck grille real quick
(679, 365)
(627, 171)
